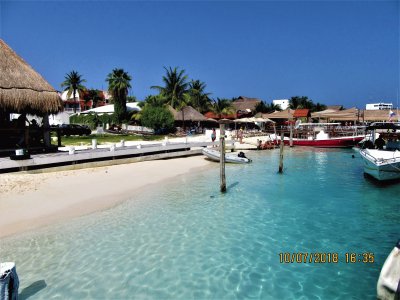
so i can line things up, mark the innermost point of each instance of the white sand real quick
(29, 201)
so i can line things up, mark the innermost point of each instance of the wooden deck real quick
(100, 157)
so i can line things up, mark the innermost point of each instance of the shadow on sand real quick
(31, 290)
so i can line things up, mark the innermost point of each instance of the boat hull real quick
(347, 142)
(381, 169)
(214, 155)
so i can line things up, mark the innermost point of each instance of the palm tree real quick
(73, 83)
(94, 95)
(297, 102)
(199, 98)
(273, 107)
(118, 85)
(175, 86)
(222, 107)
(175, 89)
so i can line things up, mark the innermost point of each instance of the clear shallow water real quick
(185, 240)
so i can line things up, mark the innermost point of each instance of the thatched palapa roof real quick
(379, 115)
(245, 103)
(22, 89)
(189, 114)
(284, 114)
(351, 114)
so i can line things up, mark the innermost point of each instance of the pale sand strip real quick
(29, 201)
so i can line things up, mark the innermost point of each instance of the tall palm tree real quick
(297, 102)
(199, 98)
(175, 89)
(118, 85)
(73, 83)
(175, 86)
(222, 107)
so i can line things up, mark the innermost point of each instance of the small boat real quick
(383, 164)
(229, 157)
(324, 135)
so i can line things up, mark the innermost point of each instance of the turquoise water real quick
(185, 240)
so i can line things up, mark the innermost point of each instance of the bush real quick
(158, 118)
(93, 120)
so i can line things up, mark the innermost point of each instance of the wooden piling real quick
(291, 134)
(222, 157)
(281, 154)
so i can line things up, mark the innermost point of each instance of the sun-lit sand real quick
(29, 201)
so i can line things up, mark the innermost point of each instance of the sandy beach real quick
(30, 201)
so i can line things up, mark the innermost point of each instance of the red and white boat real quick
(324, 135)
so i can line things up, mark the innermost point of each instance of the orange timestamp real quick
(326, 257)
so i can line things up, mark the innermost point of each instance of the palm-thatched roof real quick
(22, 89)
(351, 114)
(284, 114)
(245, 103)
(379, 115)
(189, 114)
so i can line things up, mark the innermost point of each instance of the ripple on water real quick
(185, 240)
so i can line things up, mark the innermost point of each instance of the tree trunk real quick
(74, 101)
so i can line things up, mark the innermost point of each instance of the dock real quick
(111, 155)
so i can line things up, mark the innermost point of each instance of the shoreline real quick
(32, 201)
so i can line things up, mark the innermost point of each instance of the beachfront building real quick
(83, 101)
(378, 106)
(282, 103)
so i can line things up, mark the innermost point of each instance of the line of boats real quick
(382, 163)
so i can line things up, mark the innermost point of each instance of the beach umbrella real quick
(264, 120)
(22, 89)
(211, 120)
(243, 120)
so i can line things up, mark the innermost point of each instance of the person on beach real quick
(241, 135)
(213, 135)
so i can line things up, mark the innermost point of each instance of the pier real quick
(110, 155)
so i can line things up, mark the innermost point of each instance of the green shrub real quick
(158, 118)
(93, 120)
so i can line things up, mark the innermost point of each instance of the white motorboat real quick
(215, 155)
(383, 164)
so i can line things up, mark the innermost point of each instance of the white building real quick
(283, 103)
(378, 106)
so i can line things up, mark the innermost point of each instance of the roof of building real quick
(245, 103)
(284, 114)
(301, 113)
(109, 109)
(22, 89)
(379, 115)
(189, 114)
(335, 107)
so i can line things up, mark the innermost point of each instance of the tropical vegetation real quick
(298, 102)
(118, 85)
(158, 118)
(222, 107)
(175, 87)
(93, 95)
(73, 83)
(267, 108)
(199, 98)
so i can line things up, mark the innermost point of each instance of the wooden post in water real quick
(281, 154)
(291, 134)
(222, 157)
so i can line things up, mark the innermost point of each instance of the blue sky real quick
(334, 52)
